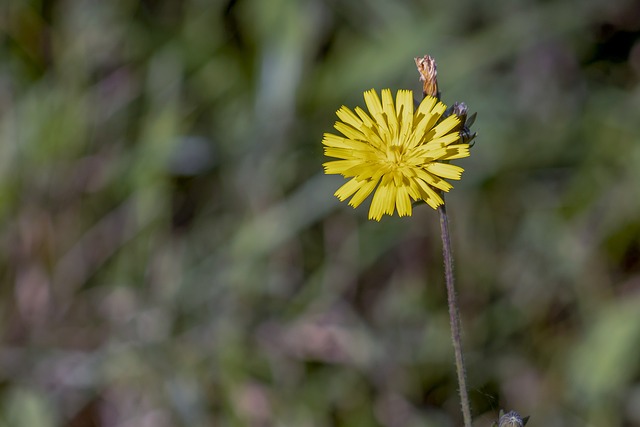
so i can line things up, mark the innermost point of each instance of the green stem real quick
(454, 316)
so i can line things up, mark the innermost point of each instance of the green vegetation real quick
(171, 253)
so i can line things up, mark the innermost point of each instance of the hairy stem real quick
(454, 316)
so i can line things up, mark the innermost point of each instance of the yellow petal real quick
(369, 128)
(363, 170)
(425, 120)
(339, 166)
(335, 141)
(414, 189)
(350, 154)
(390, 199)
(349, 117)
(363, 192)
(429, 196)
(332, 140)
(349, 132)
(445, 140)
(376, 111)
(434, 112)
(404, 107)
(339, 153)
(457, 152)
(445, 170)
(425, 154)
(446, 126)
(383, 202)
(403, 202)
(366, 119)
(425, 107)
(373, 105)
(348, 188)
(433, 180)
(390, 112)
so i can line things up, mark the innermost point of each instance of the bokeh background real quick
(172, 255)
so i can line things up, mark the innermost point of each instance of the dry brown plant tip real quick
(428, 76)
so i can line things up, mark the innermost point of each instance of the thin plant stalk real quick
(428, 75)
(454, 316)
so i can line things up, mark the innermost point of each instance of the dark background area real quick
(171, 253)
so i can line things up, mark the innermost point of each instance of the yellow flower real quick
(401, 154)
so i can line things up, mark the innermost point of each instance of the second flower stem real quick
(454, 316)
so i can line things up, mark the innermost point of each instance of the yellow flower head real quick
(401, 154)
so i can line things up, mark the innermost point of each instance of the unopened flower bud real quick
(460, 109)
(512, 419)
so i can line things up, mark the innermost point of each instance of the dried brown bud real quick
(428, 75)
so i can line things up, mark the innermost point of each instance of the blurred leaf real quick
(23, 407)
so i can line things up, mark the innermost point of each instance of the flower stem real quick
(454, 316)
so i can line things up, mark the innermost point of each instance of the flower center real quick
(395, 155)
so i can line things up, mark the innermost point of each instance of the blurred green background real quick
(172, 255)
